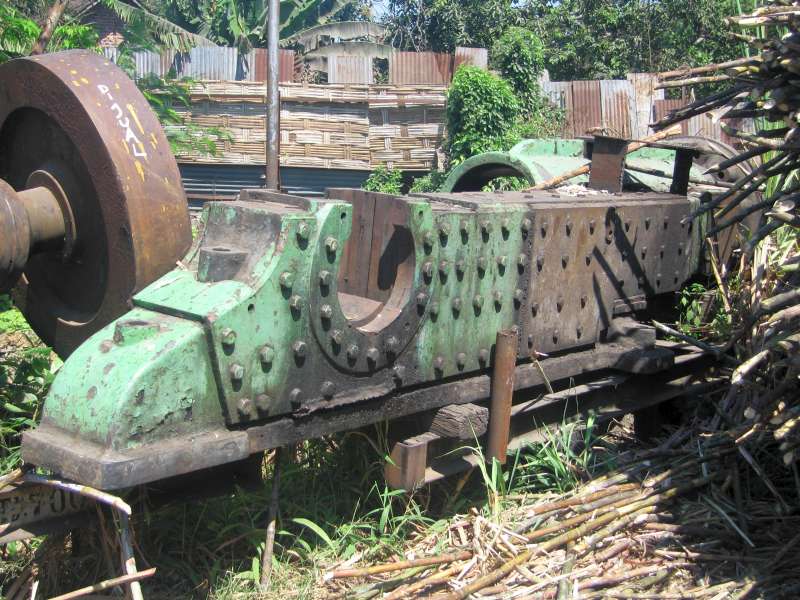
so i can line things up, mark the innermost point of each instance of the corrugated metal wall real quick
(476, 57)
(420, 68)
(350, 69)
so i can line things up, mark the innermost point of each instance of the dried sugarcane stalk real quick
(403, 564)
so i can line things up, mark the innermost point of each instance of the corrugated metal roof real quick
(662, 107)
(350, 69)
(616, 107)
(420, 68)
(586, 111)
(476, 57)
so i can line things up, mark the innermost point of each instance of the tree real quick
(19, 34)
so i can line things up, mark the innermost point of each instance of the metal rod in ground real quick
(128, 558)
(273, 98)
(502, 390)
(266, 556)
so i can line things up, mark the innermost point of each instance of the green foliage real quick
(481, 110)
(518, 55)
(18, 34)
(701, 312)
(388, 181)
(428, 183)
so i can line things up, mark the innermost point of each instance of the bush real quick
(481, 110)
(428, 183)
(518, 55)
(388, 181)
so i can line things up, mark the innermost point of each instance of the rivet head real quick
(267, 354)
(647, 223)
(522, 260)
(331, 244)
(578, 332)
(337, 336)
(263, 401)
(438, 363)
(422, 299)
(461, 360)
(327, 389)
(564, 261)
(245, 405)
(482, 263)
(584, 300)
(299, 347)
(644, 251)
(497, 296)
(592, 226)
(444, 267)
(352, 351)
(518, 297)
(559, 304)
(534, 309)
(568, 228)
(460, 266)
(555, 336)
(463, 226)
(303, 230)
(456, 304)
(539, 263)
(236, 372)
(324, 278)
(477, 301)
(373, 354)
(326, 311)
(286, 279)
(427, 269)
(486, 227)
(502, 260)
(427, 239)
(228, 336)
(444, 229)
(295, 397)
(295, 302)
(504, 226)
(399, 373)
(526, 225)
(483, 356)
(392, 344)
(434, 308)
(543, 229)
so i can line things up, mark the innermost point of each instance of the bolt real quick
(399, 373)
(236, 371)
(294, 398)
(328, 388)
(456, 304)
(444, 229)
(326, 311)
(325, 278)
(501, 261)
(392, 344)
(266, 355)
(461, 360)
(427, 269)
(228, 336)
(331, 244)
(483, 356)
(295, 302)
(522, 260)
(444, 266)
(373, 355)
(438, 363)
(477, 301)
(286, 279)
(244, 406)
(303, 230)
(526, 225)
(352, 351)
(422, 299)
(299, 348)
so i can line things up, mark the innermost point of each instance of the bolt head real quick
(486, 227)
(286, 279)
(294, 397)
(518, 296)
(444, 267)
(427, 239)
(325, 278)
(352, 351)
(228, 336)
(505, 225)
(497, 296)
(295, 302)
(482, 263)
(236, 372)
(427, 269)
(337, 336)
(331, 244)
(461, 359)
(483, 356)
(300, 348)
(438, 363)
(267, 354)
(434, 308)
(303, 230)
(326, 311)
(463, 226)
(263, 401)
(328, 389)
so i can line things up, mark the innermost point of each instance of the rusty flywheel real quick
(91, 204)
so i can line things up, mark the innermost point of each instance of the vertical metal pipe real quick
(505, 361)
(273, 97)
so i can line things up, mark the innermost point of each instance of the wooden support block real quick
(460, 421)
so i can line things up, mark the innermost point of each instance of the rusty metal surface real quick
(608, 163)
(586, 110)
(350, 69)
(617, 106)
(476, 57)
(502, 392)
(259, 65)
(24, 505)
(76, 113)
(420, 68)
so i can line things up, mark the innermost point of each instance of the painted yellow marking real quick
(116, 86)
(139, 169)
(84, 80)
(125, 145)
(75, 83)
(73, 72)
(153, 140)
(135, 117)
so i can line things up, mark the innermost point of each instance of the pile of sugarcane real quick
(681, 520)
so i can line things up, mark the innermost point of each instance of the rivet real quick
(331, 244)
(463, 225)
(294, 397)
(422, 298)
(228, 336)
(666, 222)
(559, 304)
(303, 230)
(444, 229)
(543, 229)
(399, 373)
(236, 372)
(324, 278)
(644, 251)
(568, 228)
(263, 401)
(526, 225)
(482, 263)
(647, 223)
(461, 360)
(518, 297)
(392, 344)
(483, 356)
(534, 309)
(427, 239)
(680, 249)
(352, 351)
(438, 363)
(328, 389)
(299, 348)
(286, 279)
(584, 299)
(434, 308)
(627, 226)
(588, 259)
(477, 301)
(661, 252)
(497, 297)
(266, 355)
(456, 304)
(486, 227)
(427, 270)
(460, 266)
(373, 354)
(326, 311)
(522, 260)
(504, 226)
(564, 261)
(501, 261)
(295, 302)
(555, 336)
(578, 332)
(337, 336)
(539, 262)
(444, 267)
(591, 226)
(244, 406)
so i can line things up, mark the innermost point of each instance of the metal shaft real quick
(273, 98)
(502, 390)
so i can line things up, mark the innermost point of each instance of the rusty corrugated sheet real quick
(616, 107)
(662, 107)
(560, 94)
(476, 57)
(258, 65)
(350, 69)
(420, 68)
(586, 111)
